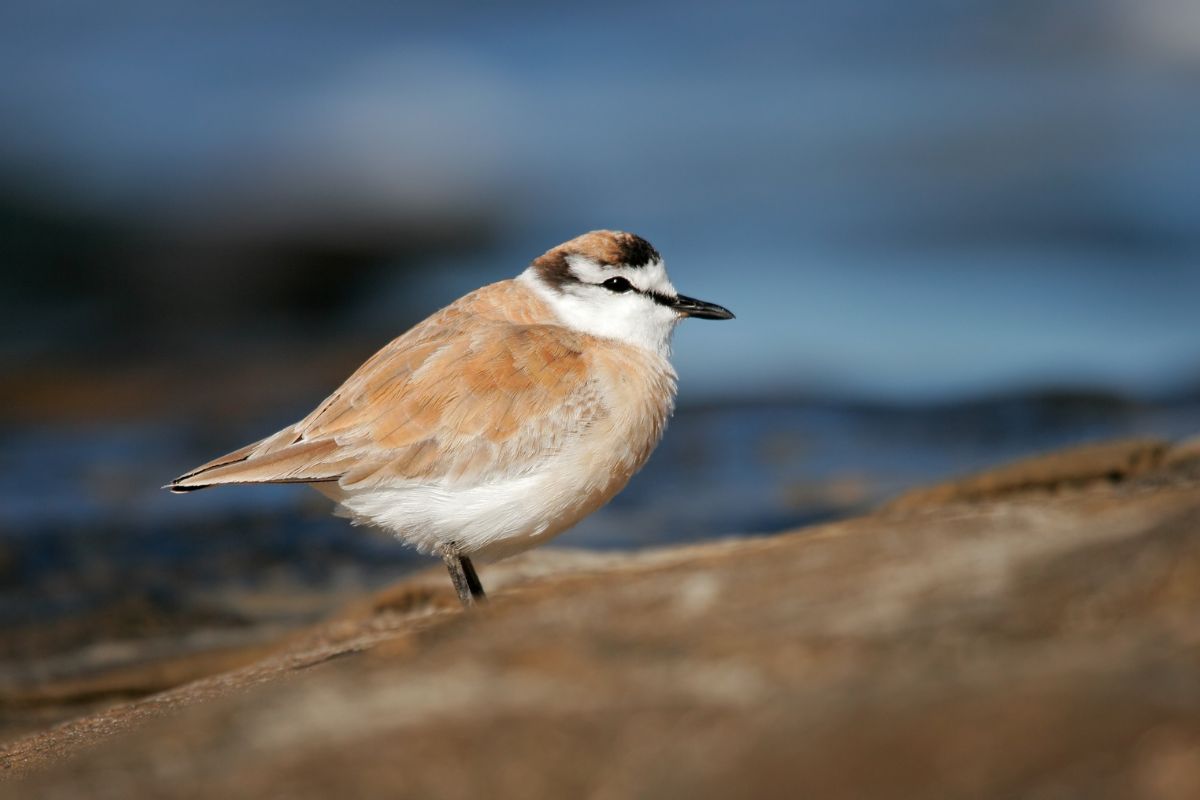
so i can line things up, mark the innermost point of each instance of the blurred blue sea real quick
(920, 212)
(84, 527)
(903, 200)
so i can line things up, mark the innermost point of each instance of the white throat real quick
(630, 317)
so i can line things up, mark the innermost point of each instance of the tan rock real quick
(1184, 455)
(1045, 646)
(1071, 468)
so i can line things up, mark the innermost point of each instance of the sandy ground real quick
(1029, 632)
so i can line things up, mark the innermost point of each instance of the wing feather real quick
(447, 403)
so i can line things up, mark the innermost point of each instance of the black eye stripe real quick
(661, 299)
(621, 285)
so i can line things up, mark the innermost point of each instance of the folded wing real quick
(439, 404)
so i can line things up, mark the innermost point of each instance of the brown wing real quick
(443, 402)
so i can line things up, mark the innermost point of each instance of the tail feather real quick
(301, 462)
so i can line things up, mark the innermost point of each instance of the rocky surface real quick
(1027, 632)
(1064, 470)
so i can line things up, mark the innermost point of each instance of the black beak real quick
(691, 307)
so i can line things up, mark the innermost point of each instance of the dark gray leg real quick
(473, 580)
(463, 576)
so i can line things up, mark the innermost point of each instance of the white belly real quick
(489, 521)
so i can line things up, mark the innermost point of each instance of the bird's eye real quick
(617, 285)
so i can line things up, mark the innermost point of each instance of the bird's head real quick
(615, 284)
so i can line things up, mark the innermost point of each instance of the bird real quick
(501, 420)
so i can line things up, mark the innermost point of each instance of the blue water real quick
(721, 469)
(82, 517)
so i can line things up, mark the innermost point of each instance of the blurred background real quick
(953, 233)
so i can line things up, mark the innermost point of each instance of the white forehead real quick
(649, 278)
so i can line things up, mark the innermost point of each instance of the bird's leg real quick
(463, 576)
(472, 580)
(458, 576)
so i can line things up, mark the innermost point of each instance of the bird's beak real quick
(691, 307)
